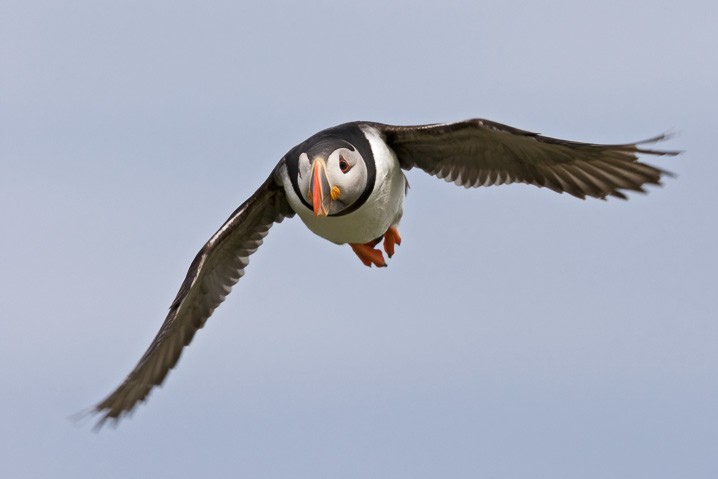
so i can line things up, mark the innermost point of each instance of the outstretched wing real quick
(479, 152)
(216, 268)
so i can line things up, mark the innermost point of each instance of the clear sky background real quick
(517, 333)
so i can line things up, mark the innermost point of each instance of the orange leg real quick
(368, 255)
(391, 239)
(371, 256)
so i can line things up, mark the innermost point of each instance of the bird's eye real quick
(344, 165)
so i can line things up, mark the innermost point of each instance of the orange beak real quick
(319, 189)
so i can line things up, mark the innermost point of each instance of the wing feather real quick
(479, 152)
(216, 268)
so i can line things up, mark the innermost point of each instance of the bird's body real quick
(383, 207)
(347, 185)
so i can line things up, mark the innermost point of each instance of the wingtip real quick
(92, 411)
(665, 136)
(108, 417)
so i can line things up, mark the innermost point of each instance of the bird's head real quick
(332, 176)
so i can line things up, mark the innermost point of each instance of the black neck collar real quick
(349, 135)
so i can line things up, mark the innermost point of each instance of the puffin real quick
(347, 184)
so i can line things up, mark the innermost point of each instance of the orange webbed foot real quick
(391, 239)
(368, 255)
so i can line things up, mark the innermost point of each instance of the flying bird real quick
(347, 184)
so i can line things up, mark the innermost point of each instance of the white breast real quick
(382, 209)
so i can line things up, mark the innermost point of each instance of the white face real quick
(336, 181)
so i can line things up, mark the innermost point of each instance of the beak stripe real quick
(318, 195)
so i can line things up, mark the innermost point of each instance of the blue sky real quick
(516, 333)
